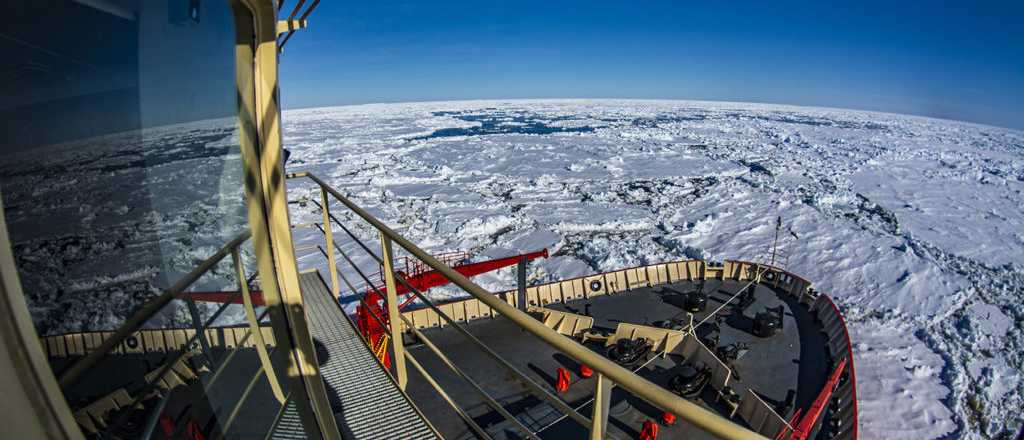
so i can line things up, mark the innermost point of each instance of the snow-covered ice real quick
(915, 226)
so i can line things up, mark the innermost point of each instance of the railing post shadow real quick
(394, 315)
(197, 323)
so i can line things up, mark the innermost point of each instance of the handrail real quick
(639, 386)
(389, 376)
(350, 234)
(440, 391)
(472, 383)
(227, 359)
(233, 415)
(291, 18)
(408, 356)
(593, 398)
(167, 367)
(75, 371)
(254, 328)
(536, 389)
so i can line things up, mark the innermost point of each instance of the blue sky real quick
(950, 60)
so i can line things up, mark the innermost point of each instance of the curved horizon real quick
(669, 100)
(957, 61)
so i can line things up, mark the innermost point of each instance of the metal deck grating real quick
(367, 403)
(289, 426)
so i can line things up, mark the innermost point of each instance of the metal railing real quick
(608, 372)
(490, 401)
(88, 364)
(147, 311)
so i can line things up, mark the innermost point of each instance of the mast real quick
(775, 244)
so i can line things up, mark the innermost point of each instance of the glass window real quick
(122, 167)
(121, 172)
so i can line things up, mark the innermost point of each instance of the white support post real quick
(329, 235)
(602, 403)
(394, 315)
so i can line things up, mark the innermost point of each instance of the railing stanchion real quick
(254, 327)
(440, 391)
(494, 404)
(233, 415)
(536, 389)
(394, 315)
(325, 207)
(702, 418)
(521, 284)
(150, 308)
(197, 322)
(602, 402)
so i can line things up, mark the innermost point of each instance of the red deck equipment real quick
(563, 380)
(421, 277)
(803, 429)
(415, 272)
(586, 371)
(649, 431)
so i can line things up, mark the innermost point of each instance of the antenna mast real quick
(775, 245)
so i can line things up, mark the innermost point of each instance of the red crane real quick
(415, 273)
(417, 276)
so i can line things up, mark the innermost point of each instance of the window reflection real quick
(121, 168)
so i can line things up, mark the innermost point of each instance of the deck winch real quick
(769, 322)
(691, 380)
(629, 352)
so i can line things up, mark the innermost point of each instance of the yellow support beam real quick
(285, 26)
(703, 418)
(602, 402)
(255, 331)
(394, 315)
(329, 236)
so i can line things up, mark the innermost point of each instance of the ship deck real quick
(794, 359)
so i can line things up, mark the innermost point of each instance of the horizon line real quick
(708, 101)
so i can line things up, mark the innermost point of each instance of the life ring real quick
(132, 342)
(595, 285)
